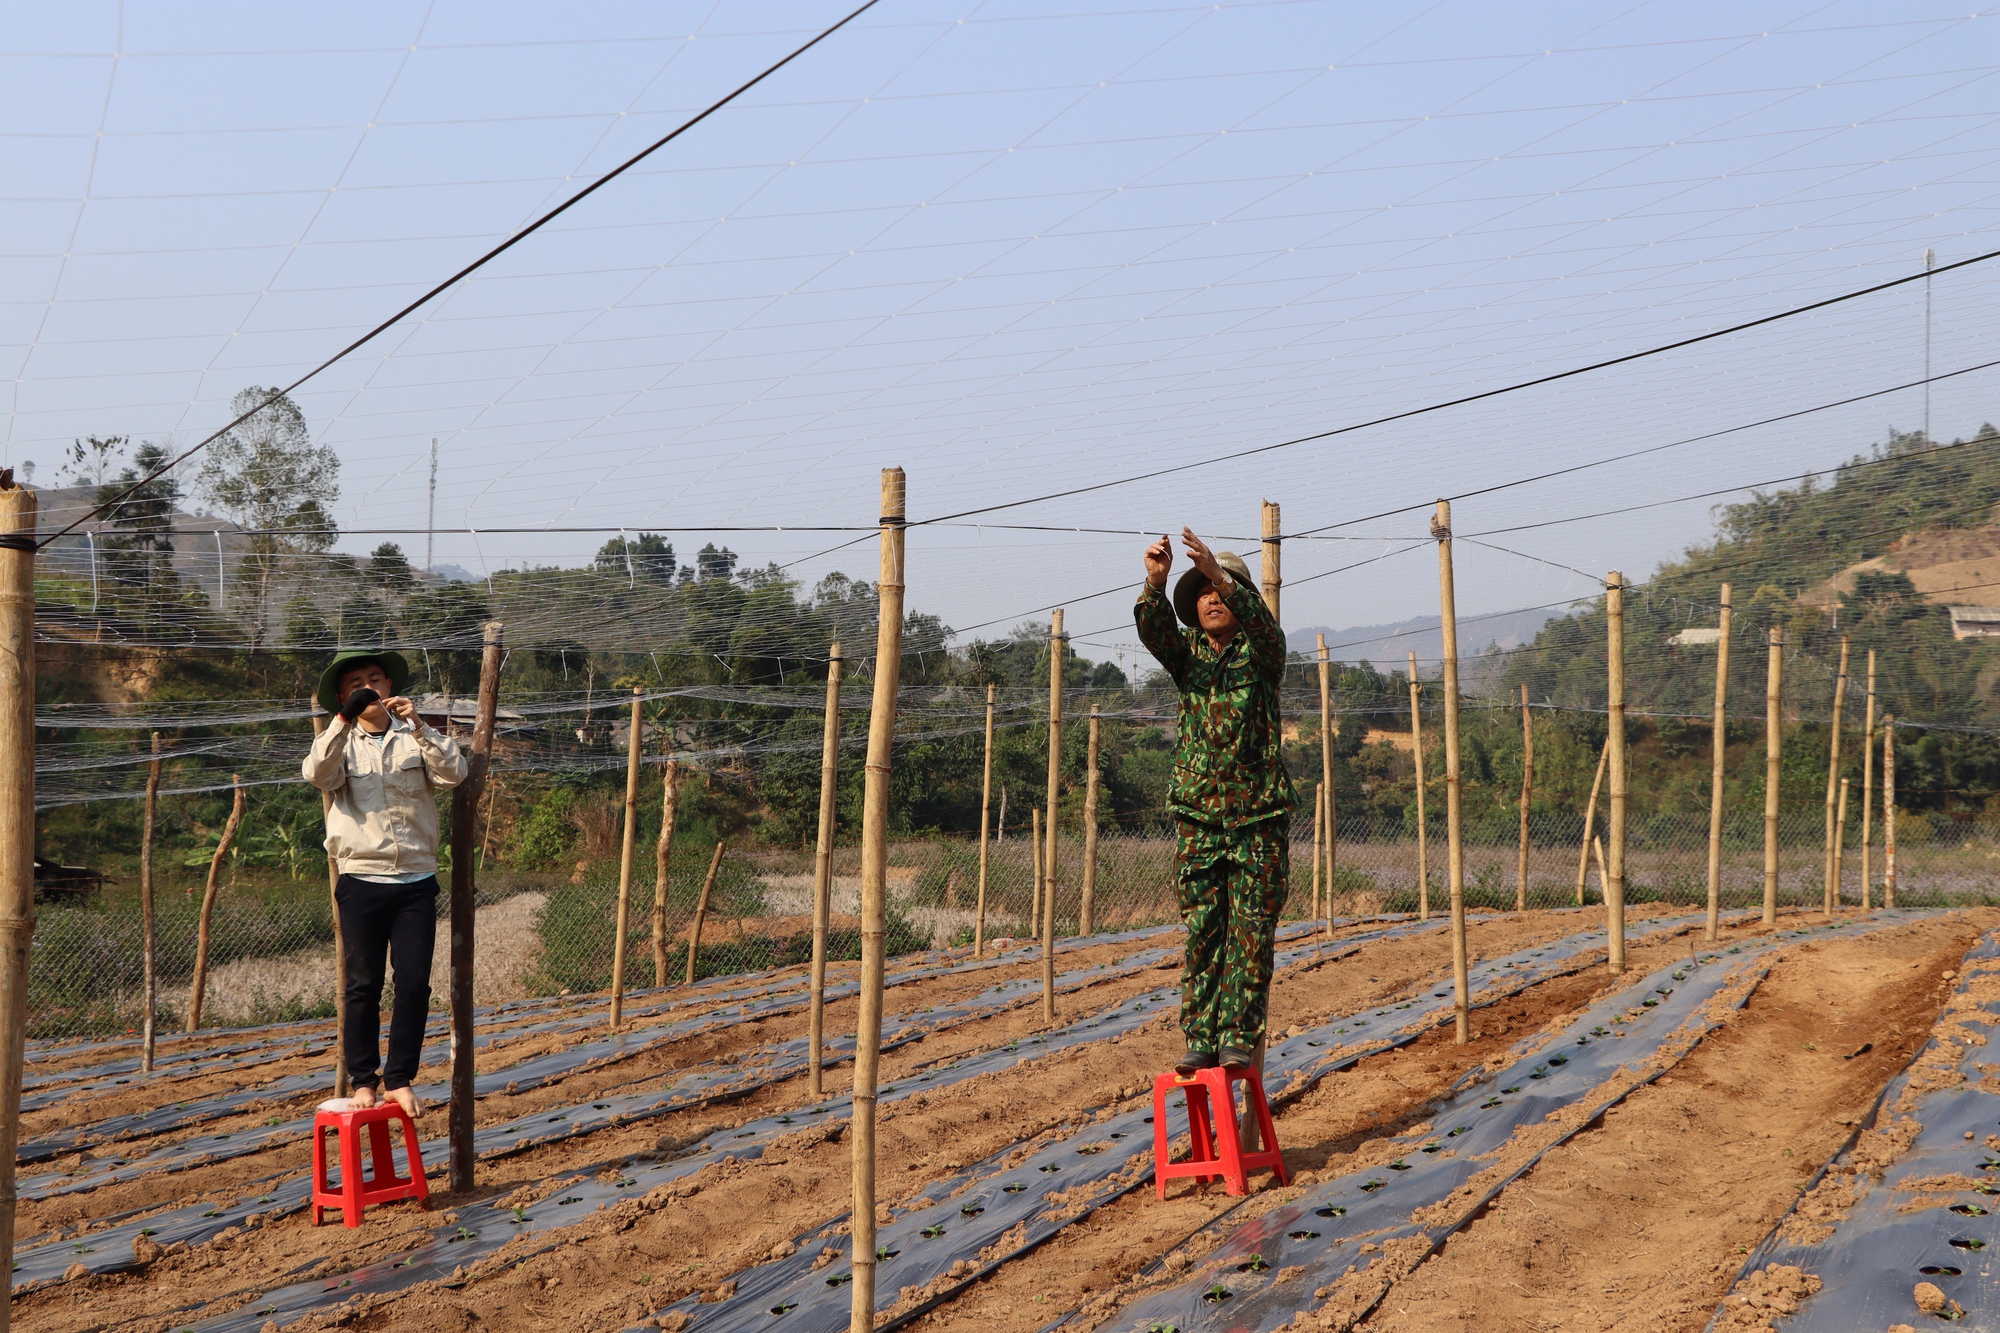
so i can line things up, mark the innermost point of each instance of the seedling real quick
(1255, 1264)
(1334, 1210)
(932, 1232)
(1303, 1235)
(1217, 1294)
(520, 1216)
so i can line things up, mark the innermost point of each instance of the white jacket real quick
(384, 817)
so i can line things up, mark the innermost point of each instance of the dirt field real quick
(1639, 1221)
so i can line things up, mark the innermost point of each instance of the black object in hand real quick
(357, 703)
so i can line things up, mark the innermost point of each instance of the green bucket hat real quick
(392, 664)
(1188, 590)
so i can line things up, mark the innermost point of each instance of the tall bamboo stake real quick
(1774, 721)
(631, 840)
(1327, 832)
(874, 883)
(1840, 837)
(701, 911)
(1717, 745)
(1889, 810)
(1527, 795)
(1590, 822)
(1269, 572)
(1417, 753)
(339, 945)
(985, 813)
(1035, 850)
(1086, 922)
(1055, 774)
(17, 827)
(829, 792)
(663, 851)
(146, 1038)
(465, 905)
(1868, 786)
(1454, 840)
(1831, 892)
(1614, 745)
(1319, 808)
(200, 984)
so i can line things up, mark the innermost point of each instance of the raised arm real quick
(1266, 637)
(326, 763)
(1154, 616)
(445, 762)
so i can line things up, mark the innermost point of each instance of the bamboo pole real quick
(631, 840)
(1830, 894)
(1839, 838)
(1319, 808)
(339, 946)
(465, 905)
(1327, 832)
(874, 881)
(1055, 795)
(1269, 571)
(985, 813)
(829, 792)
(1454, 840)
(1591, 823)
(17, 828)
(1868, 786)
(1527, 795)
(701, 911)
(1718, 744)
(1035, 856)
(1423, 833)
(1774, 693)
(1614, 746)
(200, 983)
(663, 851)
(1087, 923)
(1889, 810)
(151, 986)
(1603, 878)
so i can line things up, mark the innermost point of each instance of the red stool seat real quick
(382, 1184)
(1217, 1152)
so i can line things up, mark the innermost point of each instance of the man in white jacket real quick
(383, 766)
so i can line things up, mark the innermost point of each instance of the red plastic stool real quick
(383, 1185)
(1217, 1152)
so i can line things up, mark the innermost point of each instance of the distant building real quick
(1689, 638)
(1975, 622)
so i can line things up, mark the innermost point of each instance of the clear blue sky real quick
(1014, 248)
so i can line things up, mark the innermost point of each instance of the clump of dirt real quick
(1818, 1209)
(1779, 1289)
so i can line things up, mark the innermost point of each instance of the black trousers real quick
(386, 924)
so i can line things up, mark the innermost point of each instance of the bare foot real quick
(407, 1099)
(363, 1097)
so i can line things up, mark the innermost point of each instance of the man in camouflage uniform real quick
(1231, 796)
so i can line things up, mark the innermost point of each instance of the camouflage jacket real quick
(1229, 769)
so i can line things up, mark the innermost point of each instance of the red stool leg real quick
(417, 1178)
(1201, 1126)
(350, 1172)
(1228, 1138)
(1262, 1106)
(1162, 1141)
(381, 1159)
(319, 1169)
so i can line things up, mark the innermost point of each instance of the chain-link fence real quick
(271, 949)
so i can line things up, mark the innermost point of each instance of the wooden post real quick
(465, 906)
(701, 910)
(1423, 833)
(17, 827)
(874, 883)
(1319, 808)
(1603, 877)
(829, 793)
(625, 861)
(1718, 743)
(1590, 823)
(151, 984)
(1086, 912)
(1327, 832)
(1527, 794)
(1055, 794)
(200, 984)
(1774, 692)
(1868, 786)
(1831, 893)
(663, 851)
(1839, 839)
(339, 945)
(1035, 856)
(985, 813)
(1889, 810)
(1454, 840)
(1614, 746)
(1269, 572)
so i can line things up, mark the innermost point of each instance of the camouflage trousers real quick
(1232, 883)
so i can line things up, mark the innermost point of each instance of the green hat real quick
(392, 664)
(1188, 591)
